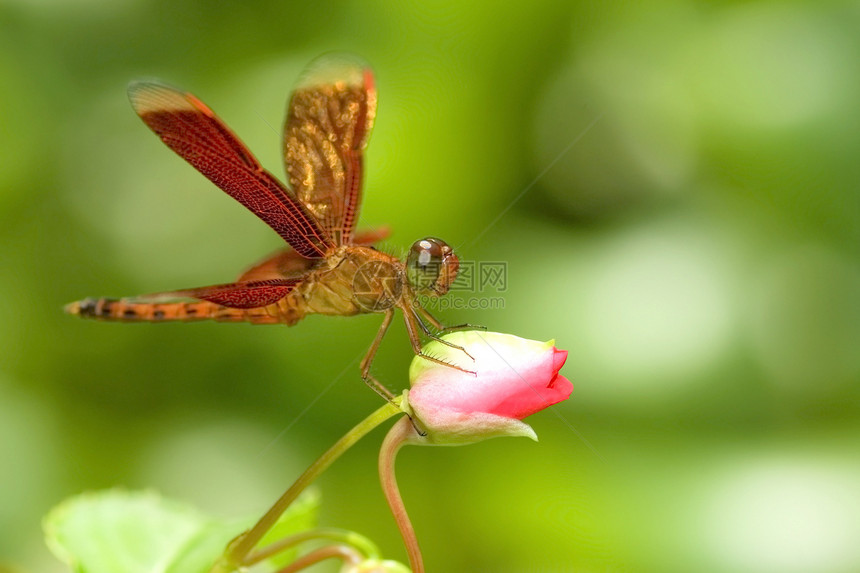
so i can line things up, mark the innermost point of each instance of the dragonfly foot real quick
(448, 364)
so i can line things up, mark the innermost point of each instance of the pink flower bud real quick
(514, 378)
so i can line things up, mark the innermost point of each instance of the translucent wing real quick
(193, 131)
(328, 123)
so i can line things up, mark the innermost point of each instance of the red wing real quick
(367, 238)
(194, 132)
(328, 123)
(250, 294)
(288, 264)
(284, 264)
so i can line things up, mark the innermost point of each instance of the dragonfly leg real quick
(413, 323)
(437, 324)
(443, 341)
(464, 326)
(375, 384)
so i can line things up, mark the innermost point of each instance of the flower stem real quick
(238, 549)
(400, 433)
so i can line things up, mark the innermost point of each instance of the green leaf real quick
(117, 531)
(201, 551)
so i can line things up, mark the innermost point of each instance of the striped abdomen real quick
(111, 309)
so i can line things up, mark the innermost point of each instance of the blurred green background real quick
(673, 186)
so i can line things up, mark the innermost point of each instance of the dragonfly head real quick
(431, 266)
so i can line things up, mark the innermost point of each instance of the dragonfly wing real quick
(248, 294)
(287, 263)
(367, 238)
(329, 120)
(193, 131)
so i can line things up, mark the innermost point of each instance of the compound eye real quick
(424, 263)
(428, 249)
(424, 257)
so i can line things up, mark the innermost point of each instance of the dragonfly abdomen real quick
(121, 310)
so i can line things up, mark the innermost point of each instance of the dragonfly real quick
(327, 268)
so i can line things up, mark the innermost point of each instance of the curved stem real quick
(348, 555)
(238, 549)
(399, 434)
(345, 537)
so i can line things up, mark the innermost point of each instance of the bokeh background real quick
(673, 187)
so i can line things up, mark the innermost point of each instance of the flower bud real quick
(513, 378)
